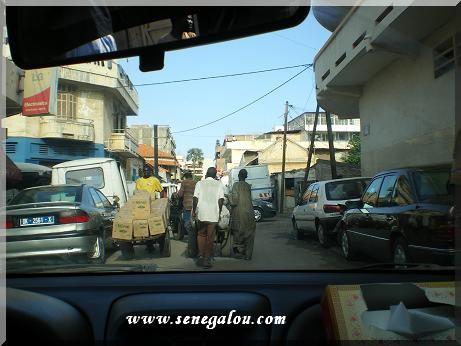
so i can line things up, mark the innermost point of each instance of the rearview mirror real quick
(53, 36)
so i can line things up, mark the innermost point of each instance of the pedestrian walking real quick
(207, 206)
(243, 224)
(186, 194)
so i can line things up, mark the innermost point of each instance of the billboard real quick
(40, 92)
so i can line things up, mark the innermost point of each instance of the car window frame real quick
(85, 169)
(389, 203)
(412, 191)
(365, 204)
(95, 204)
(315, 189)
(103, 199)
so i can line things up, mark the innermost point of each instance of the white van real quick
(102, 173)
(258, 178)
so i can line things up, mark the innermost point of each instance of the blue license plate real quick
(38, 220)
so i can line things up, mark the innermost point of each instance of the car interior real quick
(89, 306)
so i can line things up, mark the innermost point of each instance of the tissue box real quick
(343, 306)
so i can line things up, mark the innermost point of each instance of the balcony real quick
(74, 129)
(367, 41)
(123, 144)
(107, 75)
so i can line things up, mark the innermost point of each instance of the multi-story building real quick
(394, 68)
(241, 150)
(86, 116)
(144, 134)
(342, 129)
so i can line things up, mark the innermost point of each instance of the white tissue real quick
(415, 323)
(410, 323)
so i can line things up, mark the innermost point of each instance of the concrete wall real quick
(410, 115)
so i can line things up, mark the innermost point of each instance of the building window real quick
(67, 102)
(444, 59)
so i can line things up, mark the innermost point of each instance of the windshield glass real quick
(220, 159)
(345, 190)
(48, 194)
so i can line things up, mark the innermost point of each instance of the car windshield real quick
(48, 194)
(238, 155)
(345, 190)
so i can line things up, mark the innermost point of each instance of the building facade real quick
(394, 68)
(144, 134)
(242, 150)
(89, 114)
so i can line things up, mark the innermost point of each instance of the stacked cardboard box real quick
(141, 217)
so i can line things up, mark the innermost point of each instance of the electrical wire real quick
(221, 76)
(247, 105)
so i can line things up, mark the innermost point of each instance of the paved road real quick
(275, 249)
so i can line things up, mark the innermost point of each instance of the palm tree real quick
(196, 156)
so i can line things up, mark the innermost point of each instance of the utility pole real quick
(311, 149)
(282, 189)
(156, 150)
(331, 147)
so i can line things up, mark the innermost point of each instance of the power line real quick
(222, 76)
(247, 105)
(296, 42)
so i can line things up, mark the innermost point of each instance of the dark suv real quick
(404, 215)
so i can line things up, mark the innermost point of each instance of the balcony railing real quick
(75, 129)
(123, 143)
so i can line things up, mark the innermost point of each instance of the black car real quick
(263, 209)
(404, 216)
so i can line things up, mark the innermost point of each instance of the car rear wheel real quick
(346, 248)
(258, 214)
(299, 235)
(322, 235)
(400, 252)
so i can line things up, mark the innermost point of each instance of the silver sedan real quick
(59, 220)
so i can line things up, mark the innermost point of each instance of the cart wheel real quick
(165, 245)
(226, 245)
(179, 234)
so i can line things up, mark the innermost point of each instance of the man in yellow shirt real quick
(147, 182)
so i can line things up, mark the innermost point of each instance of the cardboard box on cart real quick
(160, 207)
(140, 205)
(140, 228)
(122, 228)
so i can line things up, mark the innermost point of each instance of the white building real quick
(393, 67)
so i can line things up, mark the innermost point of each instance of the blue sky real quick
(189, 104)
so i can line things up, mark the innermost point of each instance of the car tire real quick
(258, 214)
(165, 245)
(100, 248)
(345, 245)
(322, 235)
(298, 234)
(399, 252)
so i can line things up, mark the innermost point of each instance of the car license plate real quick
(39, 220)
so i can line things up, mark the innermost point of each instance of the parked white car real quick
(321, 205)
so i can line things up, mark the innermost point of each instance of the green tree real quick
(353, 155)
(196, 156)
